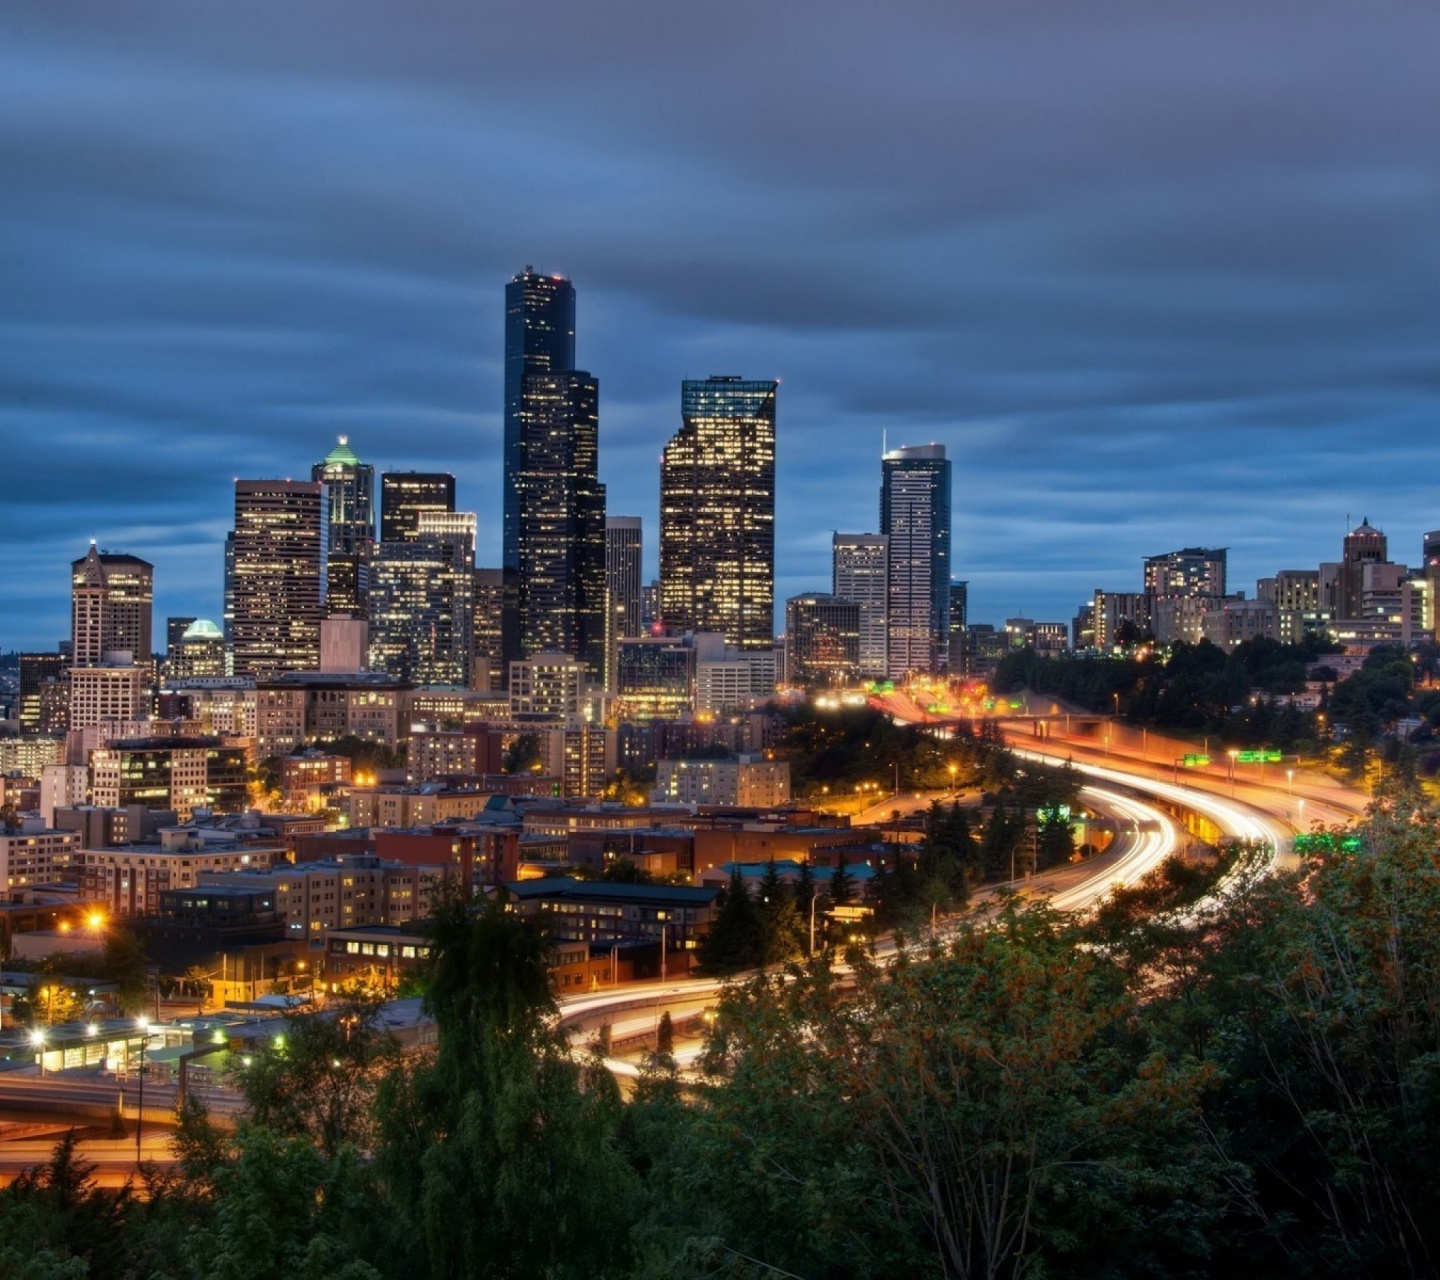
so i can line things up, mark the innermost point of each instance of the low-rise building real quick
(177, 774)
(749, 781)
(303, 707)
(601, 911)
(129, 879)
(32, 854)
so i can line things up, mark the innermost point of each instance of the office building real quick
(860, 572)
(654, 677)
(560, 582)
(198, 651)
(112, 601)
(294, 710)
(959, 621)
(553, 503)
(1430, 559)
(108, 691)
(915, 515)
(44, 693)
(717, 513)
(279, 576)
(32, 854)
(350, 499)
(1192, 571)
(422, 601)
(176, 774)
(487, 631)
(548, 684)
(622, 586)
(405, 494)
(822, 641)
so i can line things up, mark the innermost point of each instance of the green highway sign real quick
(1268, 756)
(1194, 760)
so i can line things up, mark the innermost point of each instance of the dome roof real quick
(202, 629)
(342, 455)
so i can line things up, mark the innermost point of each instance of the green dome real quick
(342, 455)
(202, 629)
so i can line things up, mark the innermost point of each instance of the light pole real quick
(144, 1024)
(1290, 781)
(814, 898)
(952, 778)
(37, 1038)
(1232, 753)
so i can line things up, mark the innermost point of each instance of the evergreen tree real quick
(734, 941)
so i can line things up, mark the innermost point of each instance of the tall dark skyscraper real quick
(623, 556)
(554, 503)
(405, 494)
(915, 514)
(278, 577)
(350, 495)
(717, 513)
(423, 601)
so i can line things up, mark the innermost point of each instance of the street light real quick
(1232, 753)
(144, 1024)
(953, 768)
(1290, 781)
(37, 1038)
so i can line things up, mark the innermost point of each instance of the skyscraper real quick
(822, 641)
(280, 541)
(622, 586)
(423, 601)
(350, 496)
(405, 494)
(859, 572)
(554, 503)
(111, 606)
(915, 514)
(717, 513)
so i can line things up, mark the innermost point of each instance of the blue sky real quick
(1157, 275)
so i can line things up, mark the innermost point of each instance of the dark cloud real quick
(1155, 275)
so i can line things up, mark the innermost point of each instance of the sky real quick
(1157, 275)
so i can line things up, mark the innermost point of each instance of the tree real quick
(522, 755)
(319, 1079)
(734, 941)
(781, 930)
(501, 1157)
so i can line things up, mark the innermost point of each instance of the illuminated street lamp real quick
(953, 768)
(1232, 753)
(37, 1038)
(144, 1024)
(1290, 781)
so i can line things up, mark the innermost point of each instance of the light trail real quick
(1158, 839)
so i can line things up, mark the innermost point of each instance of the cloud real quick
(1155, 276)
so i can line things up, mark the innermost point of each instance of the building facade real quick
(859, 571)
(281, 536)
(623, 547)
(112, 605)
(915, 515)
(350, 498)
(717, 513)
(822, 641)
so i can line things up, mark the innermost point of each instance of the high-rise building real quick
(175, 629)
(199, 651)
(959, 622)
(487, 663)
(1189, 572)
(561, 579)
(554, 503)
(822, 641)
(1363, 545)
(405, 494)
(278, 589)
(350, 497)
(915, 514)
(622, 586)
(1430, 559)
(717, 513)
(112, 606)
(860, 572)
(423, 601)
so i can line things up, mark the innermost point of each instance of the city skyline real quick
(1136, 320)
